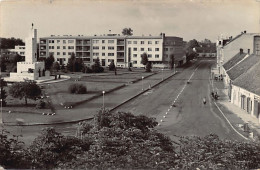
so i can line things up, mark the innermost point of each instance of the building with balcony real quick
(125, 51)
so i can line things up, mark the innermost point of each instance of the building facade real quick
(125, 51)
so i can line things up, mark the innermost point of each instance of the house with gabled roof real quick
(241, 73)
(246, 89)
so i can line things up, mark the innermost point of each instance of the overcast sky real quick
(190, 19)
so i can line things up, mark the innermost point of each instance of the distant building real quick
(125, 51)
(18, 50)
(206, 49)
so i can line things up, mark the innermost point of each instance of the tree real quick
(127, 31)
(56, 66)
(12, 156)
(148, 66)
(124, 141)
(112, 66)
(49, 61)
(3, 92)
(27, 90)
(171, 62)
(190, 52)
(10, 43)
(96, 67)
(51, 149)
(17, 58)
(78, 65)
(144, 60)
(71, 62)
(3, 64)
(210, 152)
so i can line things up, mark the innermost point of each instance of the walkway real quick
(234, 114)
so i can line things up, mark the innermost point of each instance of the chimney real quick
(248, 51)
(241, 50)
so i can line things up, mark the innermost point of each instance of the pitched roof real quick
(243, 66)
(234, 60)
(250, 80)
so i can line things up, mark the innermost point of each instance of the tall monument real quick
(30, 69)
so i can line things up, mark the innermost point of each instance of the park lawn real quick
(60, 97)
(18, 106)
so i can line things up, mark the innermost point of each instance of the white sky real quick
(190, 19)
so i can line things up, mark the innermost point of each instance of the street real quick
(186, 113)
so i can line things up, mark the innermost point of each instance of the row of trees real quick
(124, 141)
(10, 43)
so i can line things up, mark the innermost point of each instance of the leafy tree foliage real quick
(2, 91)
(10, 43)
(12, 155)
(3, 64)
(210, 152)
(27, 90)
(96, 67)
(49, 61)
(127, 31)
(56, 66)
(112, 66)
(190, 53)
(144, 60)
(75, 64)
(148, 66)
(77, 89)
(171, 62)
(51, 149)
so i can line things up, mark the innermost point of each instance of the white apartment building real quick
(18, 49)
(136, 46)
(125, 51)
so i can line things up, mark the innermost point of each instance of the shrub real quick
(77, 89)
(41, 104)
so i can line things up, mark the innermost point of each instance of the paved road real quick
(189, 116)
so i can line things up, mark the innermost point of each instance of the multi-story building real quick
(18, 49)
(125, 51)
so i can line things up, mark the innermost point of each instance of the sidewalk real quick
(87, 110)
(233, 113)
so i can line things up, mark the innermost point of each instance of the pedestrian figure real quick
(204, 100)
(115, 71)
(216, 95)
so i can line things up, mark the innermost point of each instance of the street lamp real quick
(1, 116)
(142, 83)
(103, 99)
(162, 73)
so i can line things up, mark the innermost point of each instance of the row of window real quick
(64, 53)
(64, 41)
(148, 55)
(58, 47)
(149, 49)
(103, 54)
(103, 41)
(103, 48)
(142, 42)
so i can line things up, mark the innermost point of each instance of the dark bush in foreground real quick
(77, 89)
